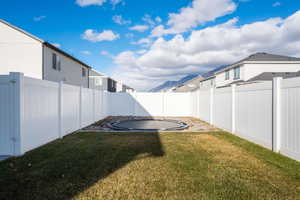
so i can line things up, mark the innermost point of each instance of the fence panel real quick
(70, 109)
(194, 104)
(223, 108)
(290, 110)
(40, 114)
(121, 104)
(204, 105)
(87, 107)
(254, 113)
(98, 95)
(176, 105)
(149, 104)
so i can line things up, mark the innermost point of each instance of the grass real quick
(150, 166)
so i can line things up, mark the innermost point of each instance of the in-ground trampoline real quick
(148, 125)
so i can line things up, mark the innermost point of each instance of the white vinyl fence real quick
(149, 104)
(264, 113)
(35, 112)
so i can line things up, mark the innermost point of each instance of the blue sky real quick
(117, 53)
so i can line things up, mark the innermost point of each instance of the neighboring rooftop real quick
(189, 86)
(257, 57)
(268, 76)
(269, 57)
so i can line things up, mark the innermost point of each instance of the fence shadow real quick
(65, 168)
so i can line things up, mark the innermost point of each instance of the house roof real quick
(190, 85)
(66, 54)
(45, 43)
(268, 76)
(260, 57)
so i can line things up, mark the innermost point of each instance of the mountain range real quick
(169, 84)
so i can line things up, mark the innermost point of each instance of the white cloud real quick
(140, 28)
(158, 19)
(85, 52)
(39, 18)
(141, 51)
(120, 20)
(115, 2)
(276, 4)
(56, 45)
(198, 13)
(129, 35)
(148, 19)
(84, 3)
(106, 53)
(206, 49)
(144, 42)
(94, 36)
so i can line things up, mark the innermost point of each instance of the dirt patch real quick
(195, 125)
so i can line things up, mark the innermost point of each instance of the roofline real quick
(101, 74)
(21, 30)
(255, 62)
(65, 54)
(208, 78)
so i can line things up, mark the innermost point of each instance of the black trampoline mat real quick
(149, 124)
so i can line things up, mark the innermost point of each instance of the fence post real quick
(60, 109)
(94, 105)
(80, 107)
(17, 116)
(211, 106)
(233, 106)
(276, 137)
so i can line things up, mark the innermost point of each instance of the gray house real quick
(22, 52)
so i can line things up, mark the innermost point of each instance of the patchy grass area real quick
(150, 166)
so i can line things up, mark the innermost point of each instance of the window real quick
(237, 73)
(83, 72)
(227, 75)
(58, 64)
(54, 61)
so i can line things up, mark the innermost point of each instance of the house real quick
(188, 86)
(101, 82)
(23, 52)
(98, 80)
(252, 67)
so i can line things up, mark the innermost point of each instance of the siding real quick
(19, 53)
(220, 78)
(252, 70)
(71, 71)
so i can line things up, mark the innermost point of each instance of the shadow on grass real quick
(65, 168)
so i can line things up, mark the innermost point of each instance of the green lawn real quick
(150, 166)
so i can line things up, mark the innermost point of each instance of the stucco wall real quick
(19, 53)
(70, 73)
